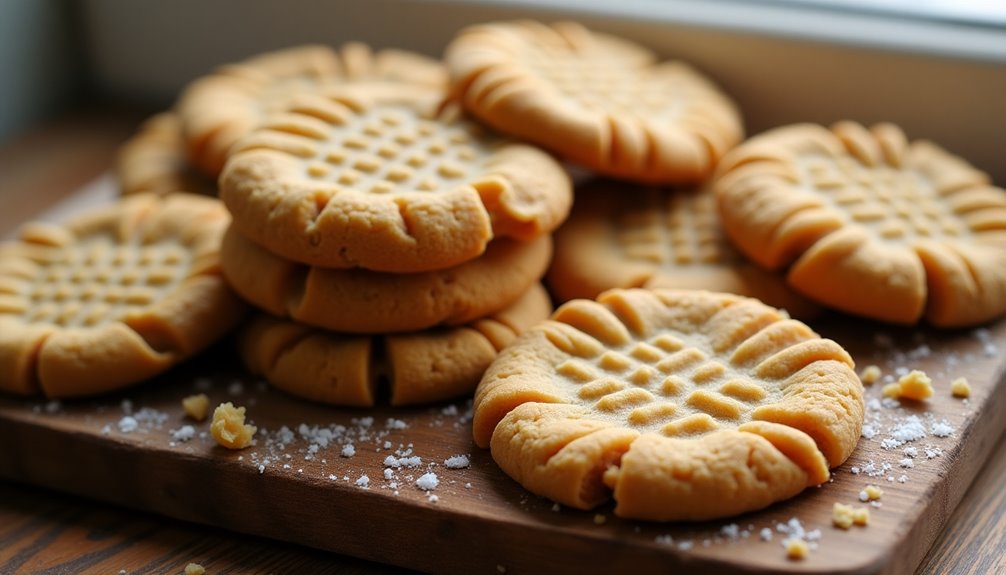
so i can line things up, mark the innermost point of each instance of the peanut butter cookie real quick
(682, 405)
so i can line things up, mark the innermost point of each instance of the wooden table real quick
(46, 532)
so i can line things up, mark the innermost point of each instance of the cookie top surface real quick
(920, 230)
(220, 108)
(669, 368)
(620, 235)
(364, 301)
(387, 180)
(154, 160)
(598, 100)
(125, 275)
(418, 367)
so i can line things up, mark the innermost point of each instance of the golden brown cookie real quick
(682, 405)
(220, 108)
(601, 101)
(419, 367)
(155, 161)
(364, 301)
(112, 297)
(870, 223)
(383, 180)
(622, 236)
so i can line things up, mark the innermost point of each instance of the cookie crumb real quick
(871, 493)
(229, 428)
(960, 387)
(194, 569)
(870, 375)
(861, 516)
(913, 385)
(196, 407)
(796, 549)
(841, 515)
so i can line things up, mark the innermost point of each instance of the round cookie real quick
(388, 180)
(681, 405)
(364, 301)
(154, 160)
(600, 101)
(113, 296)
(623, 236)
(869, 223)
(220, 108)
(420, 367)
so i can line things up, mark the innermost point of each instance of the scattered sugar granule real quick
(903, 479)
(942, 428)
(53, 406)
(861, 516)
(685, 545)
(664, 540)
(907, 463)
(185, 433)
(363, 482)
(457, 462)
(348, 450)
(933, 452)
(393, 423)
(433, 498)
(960, 387)
(870, 375)
(871, 493)
(910, 429)
(194, 569)
(196, 407)
(229, 428)
(600, 519)
(911, 452)
(765, 534)
(796, 549)
(555, 506)
(730, 531)
(869, 431)
(841, 515)
(428, 481)
(128, 424)
(235, 388)
(913, 385)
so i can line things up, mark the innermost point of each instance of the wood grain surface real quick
(491, 525)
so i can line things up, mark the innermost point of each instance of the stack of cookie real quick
(385, 238)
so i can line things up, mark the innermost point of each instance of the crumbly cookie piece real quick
(155, 161)
(621, 236)
(870, 223)
(600, 101)
(386, 179)
(364, 301)
(113, 296)
(682, 405)
(418, 367)
(220, 108)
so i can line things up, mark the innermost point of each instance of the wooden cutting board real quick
(307, 485)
